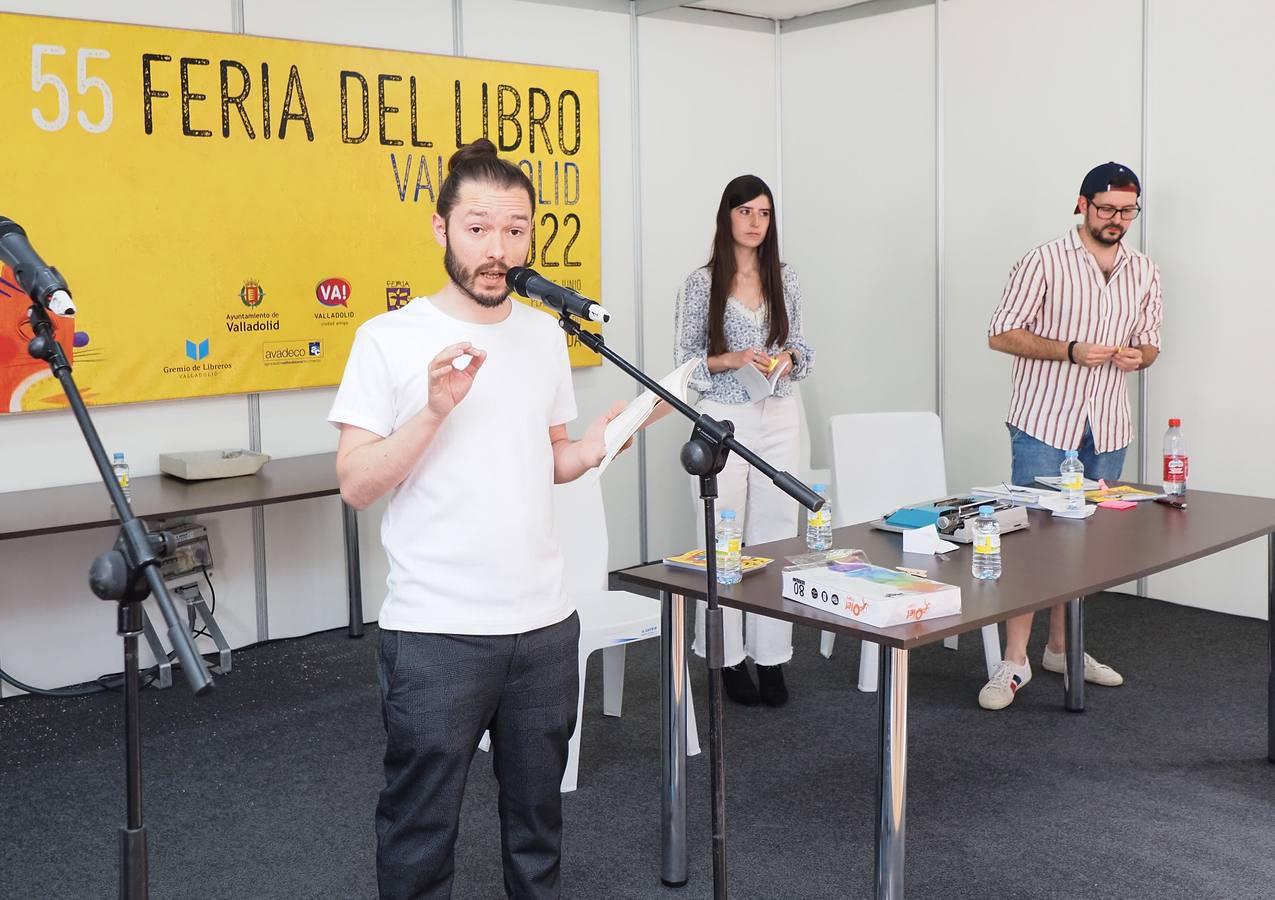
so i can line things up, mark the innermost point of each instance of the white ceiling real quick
(774, 9)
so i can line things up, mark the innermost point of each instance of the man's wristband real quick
(1070, 347)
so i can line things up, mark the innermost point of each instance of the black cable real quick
(100, 685)
(97, 688)
(203, 629)
(212, 590)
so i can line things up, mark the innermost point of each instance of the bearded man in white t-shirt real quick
(456, 407)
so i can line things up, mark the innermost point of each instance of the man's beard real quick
(467, 281)
(1097, 234)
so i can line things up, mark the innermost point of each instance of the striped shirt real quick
(1057, 291)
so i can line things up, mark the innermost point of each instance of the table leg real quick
(892, 697)
(673, 681)
(1074, 679)
(353, 574)
(1270, 647)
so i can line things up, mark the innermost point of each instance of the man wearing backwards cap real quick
(1078, 314)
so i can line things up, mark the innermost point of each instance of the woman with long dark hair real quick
(743, 310)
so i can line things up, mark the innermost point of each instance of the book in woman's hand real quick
(760, 386)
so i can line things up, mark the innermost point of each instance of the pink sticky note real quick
(1117, 504)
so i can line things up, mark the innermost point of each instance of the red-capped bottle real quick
(1175, 460)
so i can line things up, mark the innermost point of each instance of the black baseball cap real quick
(1102, 178)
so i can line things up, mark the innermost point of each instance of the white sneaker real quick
(1000, 690)
(1095, 672)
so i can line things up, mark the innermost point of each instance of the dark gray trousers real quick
(439, 693)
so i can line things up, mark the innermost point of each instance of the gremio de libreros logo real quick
(197, 350)
(275, 353)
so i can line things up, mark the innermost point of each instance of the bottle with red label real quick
(1175, 460)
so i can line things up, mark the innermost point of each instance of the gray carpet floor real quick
(266, 788)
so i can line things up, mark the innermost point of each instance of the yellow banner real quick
(228, 209)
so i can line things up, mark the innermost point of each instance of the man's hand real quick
(1095, 354)
(1128, 359)
(593, 446)
(449, 385)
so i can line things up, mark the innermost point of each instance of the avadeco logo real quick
(333, 292)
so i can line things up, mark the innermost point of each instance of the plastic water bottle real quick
(120, 468)
(728, 549)
(1175, 460)
(987, 545)
(819, 524)
(1073, 480)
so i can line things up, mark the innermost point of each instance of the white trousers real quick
(770, 429)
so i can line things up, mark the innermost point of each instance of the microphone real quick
(44, 284)
(529, 283)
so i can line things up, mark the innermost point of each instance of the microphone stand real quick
(127, 574)
(705, 455)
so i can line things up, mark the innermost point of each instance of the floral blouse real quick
(743, 329)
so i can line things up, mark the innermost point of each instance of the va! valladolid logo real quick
(332, 293)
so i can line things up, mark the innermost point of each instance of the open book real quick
(642, 411)
(761, 386)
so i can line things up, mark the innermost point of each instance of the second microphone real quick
(529, 283)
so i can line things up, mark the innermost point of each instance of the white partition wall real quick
(859, 204)
(1210, 224)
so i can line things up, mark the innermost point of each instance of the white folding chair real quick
(609, 620)
(881, 461)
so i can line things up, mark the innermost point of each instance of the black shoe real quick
(739, 685)
(773, 690)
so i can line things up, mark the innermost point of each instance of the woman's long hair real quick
(721, 266)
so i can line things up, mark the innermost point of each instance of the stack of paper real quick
(871, 594)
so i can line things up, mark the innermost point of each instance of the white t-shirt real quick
(469, 532)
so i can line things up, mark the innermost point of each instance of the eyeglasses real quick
(1127, 213)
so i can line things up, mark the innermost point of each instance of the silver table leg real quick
(1074, 677)
(892, 696)
(673, 683)
(1270, 647)
(353, 574)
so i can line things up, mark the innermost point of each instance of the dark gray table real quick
(78, 507)
(1056, 560)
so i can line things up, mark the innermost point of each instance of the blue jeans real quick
(1032, 457)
